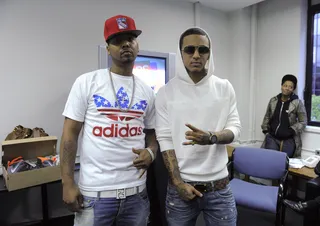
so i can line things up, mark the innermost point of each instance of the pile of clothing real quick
(20, 132)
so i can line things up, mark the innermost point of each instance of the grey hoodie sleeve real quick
(301, 123)
(266, 118)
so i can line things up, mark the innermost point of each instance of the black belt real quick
(210, 185)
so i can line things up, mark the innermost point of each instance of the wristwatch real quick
(213, 138)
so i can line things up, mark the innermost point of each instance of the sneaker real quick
(46, 161)
(18, 165)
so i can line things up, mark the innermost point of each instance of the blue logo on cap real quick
(122, 23)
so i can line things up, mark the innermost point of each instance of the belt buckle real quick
(204, 187)
(121, 193)
(200, 187)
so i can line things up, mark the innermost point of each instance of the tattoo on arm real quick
(171, 163)
(67, 160)
(224, 137)
(151, 141)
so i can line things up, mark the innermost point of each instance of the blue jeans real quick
(218, 207)
(288, 146)
(131, 211)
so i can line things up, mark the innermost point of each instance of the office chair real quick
(261, 163)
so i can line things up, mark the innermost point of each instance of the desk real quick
(230, 150)
(304, 172)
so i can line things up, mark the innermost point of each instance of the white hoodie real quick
(209, 105)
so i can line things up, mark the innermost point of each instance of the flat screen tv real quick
(154, 68)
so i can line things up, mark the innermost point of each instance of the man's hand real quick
(144, 159)
(196, 136)
(72, 197)
(187, 192)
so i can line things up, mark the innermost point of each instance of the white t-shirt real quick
(105, 147)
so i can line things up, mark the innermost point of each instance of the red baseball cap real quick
(119, 24)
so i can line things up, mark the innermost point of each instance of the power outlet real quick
(317, 152)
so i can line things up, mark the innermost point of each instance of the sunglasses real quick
(201, 49)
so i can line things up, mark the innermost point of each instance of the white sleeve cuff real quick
(166, 145)
(72, 116)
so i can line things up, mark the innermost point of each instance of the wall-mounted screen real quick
(153, 68)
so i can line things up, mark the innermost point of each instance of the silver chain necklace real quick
(115, 94)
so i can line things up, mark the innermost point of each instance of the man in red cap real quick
(115, 112)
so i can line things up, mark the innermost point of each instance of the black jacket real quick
(279, 123)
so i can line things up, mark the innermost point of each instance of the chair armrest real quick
(282, 191)
(283, 184)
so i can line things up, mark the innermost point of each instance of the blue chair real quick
(261, 163)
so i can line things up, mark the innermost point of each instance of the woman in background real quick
(285, 119)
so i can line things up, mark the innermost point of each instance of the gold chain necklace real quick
(115, 94)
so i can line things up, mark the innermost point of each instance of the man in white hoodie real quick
(196, 116)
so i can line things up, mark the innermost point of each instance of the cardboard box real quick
(29, 149)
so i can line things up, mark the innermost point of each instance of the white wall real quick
(239, 63)
(278, 51)
(230, 34)
(216, 24)
(46, 44)
(281, 49)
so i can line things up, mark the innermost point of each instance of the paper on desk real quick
(296, 163)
